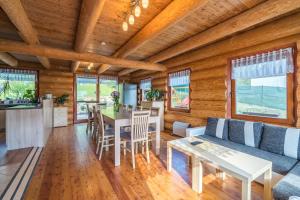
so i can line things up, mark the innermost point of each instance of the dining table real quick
(122, 118)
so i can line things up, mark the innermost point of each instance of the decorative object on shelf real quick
(154, 94)
(116, 96)
(135, 10)
(60, 101)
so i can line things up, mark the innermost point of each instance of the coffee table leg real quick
(169, 159)
(246, 189)
(267, 185)
(197, 172)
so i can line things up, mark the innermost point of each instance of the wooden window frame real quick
(37, 81)
(75, 120)
(169, 94)
(231, 104)
(141, 90)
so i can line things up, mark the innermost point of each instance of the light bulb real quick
(137, 11)
(125, 26)
(131, 19)
(145, 3)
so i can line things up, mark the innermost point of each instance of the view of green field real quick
(261, 100)
(17, 89)
(86, 92)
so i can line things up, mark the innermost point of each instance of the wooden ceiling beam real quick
(17, 14)
(89, 14)
(126, 71)
(173, 13)
(257, 15)
(8, 59)
(49, 52)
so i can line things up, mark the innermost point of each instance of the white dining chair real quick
(104, 136)
(90, 120)
(138, 134)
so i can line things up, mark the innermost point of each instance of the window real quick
(262, 86)
(108, 84)
(92, 89)
(145, 86)
(179, 90)
(18, 84)
(86, 93)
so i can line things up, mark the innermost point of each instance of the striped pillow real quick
(245, 132)
(281, 140)
(217, 127)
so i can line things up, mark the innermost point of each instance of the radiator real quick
(179, 128)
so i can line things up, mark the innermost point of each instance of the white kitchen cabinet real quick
(60, 116)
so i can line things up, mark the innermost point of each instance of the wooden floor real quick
(10, 161)
(69, 169)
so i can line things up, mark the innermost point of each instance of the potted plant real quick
(30, 95)
(154, 94)
(61, 100)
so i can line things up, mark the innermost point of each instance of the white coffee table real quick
(239, 165)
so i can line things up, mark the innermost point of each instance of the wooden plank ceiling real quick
(56, 23)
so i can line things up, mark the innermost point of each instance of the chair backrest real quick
(90, 111)
(139, 125)
(100, 123)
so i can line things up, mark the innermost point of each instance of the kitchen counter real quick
(19, 106)
(28, 125)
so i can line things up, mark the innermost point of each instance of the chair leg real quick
(132, 155)
(101, 149)
(147, 152)
(98, 146)
(107, 147)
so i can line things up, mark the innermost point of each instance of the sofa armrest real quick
(195, 131)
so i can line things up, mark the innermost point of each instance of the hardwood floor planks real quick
(69, 169)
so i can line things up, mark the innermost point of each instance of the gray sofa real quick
(280, 145)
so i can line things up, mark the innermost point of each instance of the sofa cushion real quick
(281, 164)
(289, 185)
(217, 127)
(245, 132)
(281, 140)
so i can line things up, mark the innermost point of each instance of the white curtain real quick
(103, 79)
(18, 75)
(179, 78)
(273, 63)
(86, 79)
(146, 84)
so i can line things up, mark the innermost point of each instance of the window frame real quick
(97, 76)
(231, 94)
(141, 90)
(37, 81)
(169, 93)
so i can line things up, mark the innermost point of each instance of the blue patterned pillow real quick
(245, 132)
(281, 140)
(217, 127)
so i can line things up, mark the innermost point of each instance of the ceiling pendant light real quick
(131, 19)
(145, 3)
(125, 26)
(137, 11)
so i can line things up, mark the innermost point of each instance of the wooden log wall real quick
(57, 83)
(209, 69)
